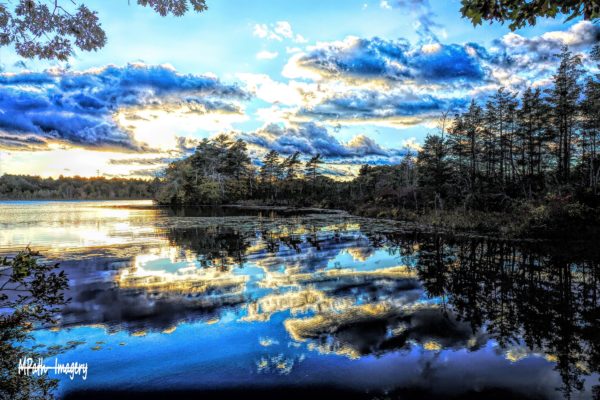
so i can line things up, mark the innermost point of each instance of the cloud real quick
(261, 31)
(424, 16)
(365, 146)
(160, 161)
(397, 83)
(514, 50)
(79, 108)
(266, 55)
(279, 31)
(385, 5)
(309, 139)
(362, 60)
(371, 106)
(283, 28)
(274, 92)
(389, 60)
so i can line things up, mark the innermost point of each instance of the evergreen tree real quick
(270, 172)
(590, 108)
(433, 169)
(291, 165)
(311, 169)
(564, 97)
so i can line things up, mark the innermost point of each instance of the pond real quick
(232, 301)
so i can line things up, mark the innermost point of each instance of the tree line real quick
(22, 187)
(510, 151)
(543, 143)
(220, 171)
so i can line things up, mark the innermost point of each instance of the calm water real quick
(177, 300)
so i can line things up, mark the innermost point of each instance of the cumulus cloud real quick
(265, 88)
(396, 83)
(390, 60)
(514, 50)
(365, 146)
(78, 108)
(310, 138)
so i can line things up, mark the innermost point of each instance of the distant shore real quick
(517, 225)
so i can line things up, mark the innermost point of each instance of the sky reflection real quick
(196, 303)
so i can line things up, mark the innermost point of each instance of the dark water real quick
(232, 303)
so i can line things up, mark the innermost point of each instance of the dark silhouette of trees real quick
(538, 145)
(434, 170)
(564, 96)
(590, 106)
(542, 295)
(312, 173)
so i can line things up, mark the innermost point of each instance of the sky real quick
(356, 81)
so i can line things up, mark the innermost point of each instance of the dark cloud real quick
(359, 333)
(77, 108)
(379, 105)
(310, 138)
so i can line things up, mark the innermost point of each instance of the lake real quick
(225, 301)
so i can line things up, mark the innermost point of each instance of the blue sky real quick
(358, 81)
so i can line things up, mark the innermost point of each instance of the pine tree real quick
(433, 168)
(564, 97)
(531, 138)
(291, 165)
(590, 108)
(311, 169)
(270, 172)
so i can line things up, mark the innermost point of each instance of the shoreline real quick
(513, 226)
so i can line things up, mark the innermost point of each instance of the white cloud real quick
(278, 31)
(300, 39)
(293, 50)
(272, 91)
(284, 29)
(266, 55)
(411, 144)
(261, 30)
(385, 5)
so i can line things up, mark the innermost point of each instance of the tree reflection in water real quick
(542, 294)
(438, 292)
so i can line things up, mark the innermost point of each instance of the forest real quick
(22, 187)
(533, 155)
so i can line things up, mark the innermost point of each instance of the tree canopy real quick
(52, 29)
(520, 13)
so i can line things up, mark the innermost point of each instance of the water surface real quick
(224, 299)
